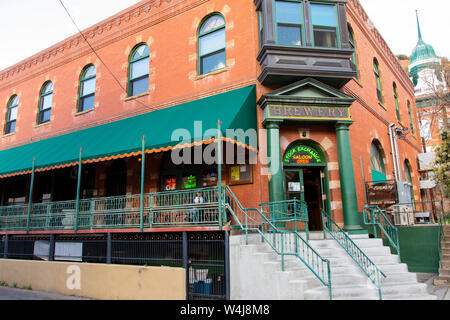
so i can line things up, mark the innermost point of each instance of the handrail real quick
(362, 260)
(283, 242)
(287, 211)
(377, 218)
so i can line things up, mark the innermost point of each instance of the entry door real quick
(294, 185)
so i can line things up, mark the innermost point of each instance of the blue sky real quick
(29, 26)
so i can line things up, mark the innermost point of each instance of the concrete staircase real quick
(444, 272)
(297, 282)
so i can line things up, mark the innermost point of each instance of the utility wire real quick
(98, 56)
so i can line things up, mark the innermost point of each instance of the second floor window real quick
(397, 104)
(139, 69)
(11, 114)
(376, 70)
(212, 44)
(45, 103)
(289, 22)
(353, 46)
(411, 122)
(324, 25)
(87, 89)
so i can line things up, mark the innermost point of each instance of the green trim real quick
(81, 82)
(338, 31)
(8, 120)
(42, 95)
(199, 35)
(130, 62)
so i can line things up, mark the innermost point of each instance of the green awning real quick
(235, 109)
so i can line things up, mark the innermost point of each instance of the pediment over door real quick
(306, 100)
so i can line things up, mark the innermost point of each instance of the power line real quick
(98, 56)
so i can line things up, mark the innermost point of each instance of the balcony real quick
(174, 209)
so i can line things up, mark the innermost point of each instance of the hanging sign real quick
(302, 155)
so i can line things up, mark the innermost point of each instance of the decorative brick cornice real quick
(356, 11)
(74, 42)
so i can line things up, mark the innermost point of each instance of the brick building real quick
(326, 108)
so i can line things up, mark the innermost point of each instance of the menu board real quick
(240, 174)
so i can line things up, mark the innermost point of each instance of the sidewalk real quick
(442, 292)
(7, 293)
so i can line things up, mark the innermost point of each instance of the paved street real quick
(7, 293)
(442, 292)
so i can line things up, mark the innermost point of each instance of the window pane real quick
(140, 68)
(139, 86)
(47, 102)
(88, 87)
(323, 15)
(213, 62)
(212, 23)
(87, 103)
(289, 35)
(48, 88)
(90, 72)
(325, 37)
(10, 127)
(13, 113)
(212, 42)
(142, 51)
(15, 101)
(376, 161)
(288, 12)
(44, 116)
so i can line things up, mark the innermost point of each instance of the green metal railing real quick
(374, 216)
(361, 259)
(287, 211)
(283, 242)
(165, 209)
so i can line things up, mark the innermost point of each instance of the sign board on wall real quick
(382, 194)
(302, 154)
(307, 112)
(69, 251)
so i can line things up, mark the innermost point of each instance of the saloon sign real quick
(302, 155)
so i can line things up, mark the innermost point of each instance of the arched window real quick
(376, 70)
(139, 68)
(87, 89)
(11, 114)
(397, 105)
(353, 46)
(411, 122)
(45, 102)
(211, 44)
(377, 164)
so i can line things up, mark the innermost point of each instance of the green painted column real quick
(274, 165)
(347, 178)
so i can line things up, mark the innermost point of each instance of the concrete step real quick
(408, 288)
(410, 297)
(345, 292)
(393, 268)
(399, 277)
(368, 243)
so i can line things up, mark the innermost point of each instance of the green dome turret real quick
(422, 57)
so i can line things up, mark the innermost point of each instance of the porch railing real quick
(283, 242)
(289, 211)
(373, 215)
(361, 259)
(165, 209)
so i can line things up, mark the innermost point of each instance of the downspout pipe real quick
(393, 151)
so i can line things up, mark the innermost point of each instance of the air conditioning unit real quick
(403, 215)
